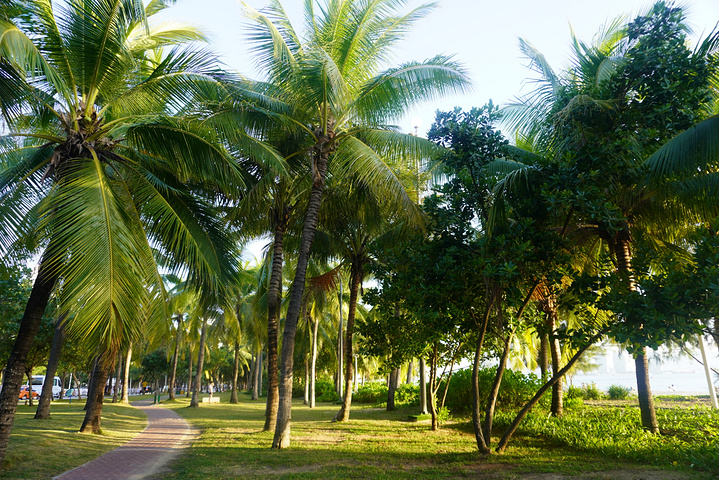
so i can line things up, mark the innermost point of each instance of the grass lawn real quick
(377, 444)
(41, 449)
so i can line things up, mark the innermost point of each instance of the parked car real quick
(24, 393)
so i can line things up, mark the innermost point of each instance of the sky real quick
(482, 35)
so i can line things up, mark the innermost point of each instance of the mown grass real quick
(41, 449)
(378, 444)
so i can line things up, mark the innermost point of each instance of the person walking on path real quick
(144, 456)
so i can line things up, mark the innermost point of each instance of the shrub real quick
(573, 402)
(373, 392)
(617, 392)
(330, 396)
(591, 392)
(406, 394)
(516, 389)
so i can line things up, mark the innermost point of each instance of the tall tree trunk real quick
(235, 373)
(557, 407)
(93, 411)
(644, 392)
(274, 302)
(28, 374)
(476, 403)
(306, 399)
(433, 386)
(543, 357)
(256, 376)
(12, 379)
(494, 393)
(410, 367)
(126, 376)
(43, 406)
(175, 358)
(392, 388)
(259, 373)
(319, 170)
(91, 384)
(189, 373)
(355, 280)
(313, 362)
(422, 386)
(118, 372)
(195, 402)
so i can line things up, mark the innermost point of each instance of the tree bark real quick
(494, 393)
(43, 406)
(319, 171)
(432, 386)
(422, 386)
(392, 388)
(274, 302)
(12, 379)
(313, 362)
(126, 376)
(476, 403)
(195, 402)
(410, 367)
(355, 280)
(173, 374)
(256, 376)
(622, 249)
(235, 373)
(93, 411)
(118, 372)
(189, 373)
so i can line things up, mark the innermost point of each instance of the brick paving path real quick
(145, 455)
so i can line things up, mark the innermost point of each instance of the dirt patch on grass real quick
(320, 437)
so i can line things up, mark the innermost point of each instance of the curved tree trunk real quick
(355, 279)
(235, 373)
(43, 406)
(93, 410)
(173, 374)
(476, 402)
(319, 170)
(274, 301)
(502, 445)
(195, 402)
(12, 379)
(126, 376)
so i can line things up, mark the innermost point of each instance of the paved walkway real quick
(145, 455)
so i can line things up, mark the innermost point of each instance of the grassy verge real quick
(378, 444)
(41, 449)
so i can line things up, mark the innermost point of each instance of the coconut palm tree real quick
(99, 164)
(338, 99)
(590, 122)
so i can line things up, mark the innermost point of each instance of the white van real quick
(39, 380)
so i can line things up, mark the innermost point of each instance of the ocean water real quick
(668, 373)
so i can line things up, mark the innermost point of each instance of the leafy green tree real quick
(602, 123)
(333, 92)
(98, 165)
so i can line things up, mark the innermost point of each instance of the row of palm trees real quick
(130, 151)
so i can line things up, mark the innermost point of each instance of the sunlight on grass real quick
(41, 449)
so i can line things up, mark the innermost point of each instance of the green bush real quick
(617, 392)
(406, 394)
(330, 396)
(591, 392)
(573, 402)
(516, 389)
(373, 392)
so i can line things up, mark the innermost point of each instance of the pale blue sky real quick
(482, 34)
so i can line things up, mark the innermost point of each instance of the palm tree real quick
(98, 165)
(338, 100)
(590, 123)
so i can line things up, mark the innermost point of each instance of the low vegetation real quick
(381, 444)
(41, 449)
